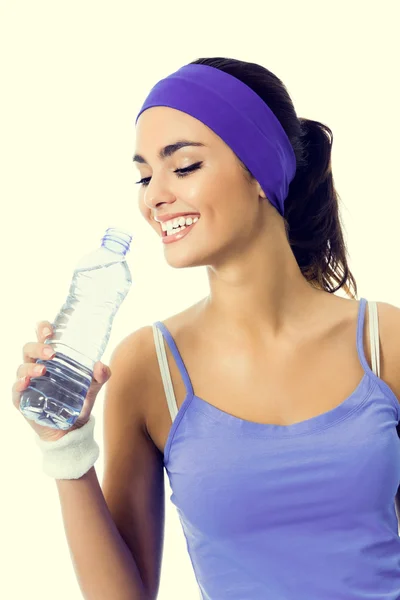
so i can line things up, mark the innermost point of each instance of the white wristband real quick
(71, 456)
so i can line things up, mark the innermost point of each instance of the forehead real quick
(159, 124)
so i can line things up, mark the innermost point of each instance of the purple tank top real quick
(298, 512)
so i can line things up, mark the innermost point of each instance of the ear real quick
(261, 192)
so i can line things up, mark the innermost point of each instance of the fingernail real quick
(46, 331)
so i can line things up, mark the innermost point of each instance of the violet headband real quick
(239, 117)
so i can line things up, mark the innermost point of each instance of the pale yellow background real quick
(73, 76)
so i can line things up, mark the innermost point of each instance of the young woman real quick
(272, 403)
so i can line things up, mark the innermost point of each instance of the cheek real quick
(229, 196)
(143, 208)
(213, 189)
(236, 209)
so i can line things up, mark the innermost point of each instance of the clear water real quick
(81, 332)
(55, 399)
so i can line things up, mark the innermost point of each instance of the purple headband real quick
(239, 117)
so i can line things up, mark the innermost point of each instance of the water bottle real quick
(82, 328)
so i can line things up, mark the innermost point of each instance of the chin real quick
(184, 254)
(184, 260)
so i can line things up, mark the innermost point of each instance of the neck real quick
(261, 292)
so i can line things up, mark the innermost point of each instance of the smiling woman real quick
(266, 402)
(178, 225)
(321, 262)
(221, 140)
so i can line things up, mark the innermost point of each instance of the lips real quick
(170, 217)
(175, 237)
(163, 220)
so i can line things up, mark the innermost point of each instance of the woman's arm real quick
(105, 568)
(115, 534)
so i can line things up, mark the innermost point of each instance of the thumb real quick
(99, 378)
(101, 373)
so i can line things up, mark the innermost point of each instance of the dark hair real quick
(311, 216)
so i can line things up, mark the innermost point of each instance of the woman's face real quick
(217, 190)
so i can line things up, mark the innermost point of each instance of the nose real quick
(157, 194)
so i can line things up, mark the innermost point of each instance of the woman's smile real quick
(169, 236)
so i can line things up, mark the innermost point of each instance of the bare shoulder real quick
(137, 356)
(389, 344)
(133, 353)
(389, 326)
(127, 392)
(388, 310)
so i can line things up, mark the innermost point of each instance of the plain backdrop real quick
(73, 76)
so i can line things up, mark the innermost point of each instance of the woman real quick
(264, 401)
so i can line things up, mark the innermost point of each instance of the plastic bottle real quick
(82, 328)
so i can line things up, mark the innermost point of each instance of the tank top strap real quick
(373, 335)
(161, 333)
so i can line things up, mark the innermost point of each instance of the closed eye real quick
(180, 173)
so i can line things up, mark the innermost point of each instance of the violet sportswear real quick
(298, 512)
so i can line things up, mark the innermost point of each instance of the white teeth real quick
(178, 222)
(175, 231)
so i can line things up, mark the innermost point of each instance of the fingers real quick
(31, 352)
(31, 369)
(17, 390)
(98, 380)
(34, 350)
(101, 374)
(44, 329)
(104, 372)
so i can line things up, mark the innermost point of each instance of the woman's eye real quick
(143, 182)
(180, 173)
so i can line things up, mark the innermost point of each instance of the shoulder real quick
(389, 323)
(389, 344)
(131, 364)
(136, 363)
(133, 349)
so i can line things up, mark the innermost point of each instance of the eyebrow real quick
(169, 150)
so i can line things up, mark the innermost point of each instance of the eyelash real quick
(180, 173)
